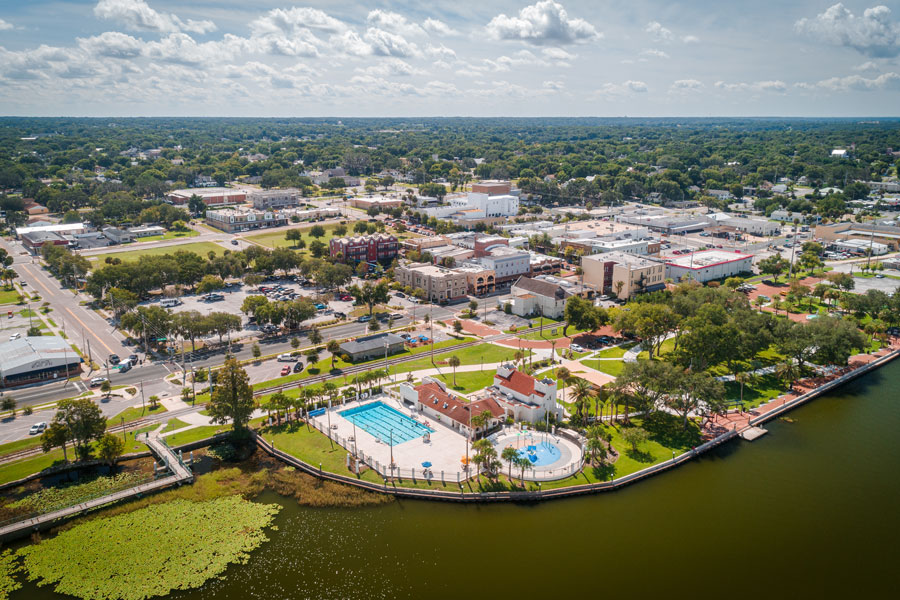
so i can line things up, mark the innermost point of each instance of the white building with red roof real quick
(432, 399)
(525, 397)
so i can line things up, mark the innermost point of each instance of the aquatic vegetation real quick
(149, 552)
(54, 498)
(9, 565)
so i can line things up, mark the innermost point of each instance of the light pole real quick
(124, 435)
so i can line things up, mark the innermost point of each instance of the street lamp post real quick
(124, 435)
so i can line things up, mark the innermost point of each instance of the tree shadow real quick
(639, 455)
(604, 472)
(668, 430)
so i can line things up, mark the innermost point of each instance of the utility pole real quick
(142, 396)
(90, 359)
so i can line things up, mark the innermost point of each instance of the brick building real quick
(379, 247)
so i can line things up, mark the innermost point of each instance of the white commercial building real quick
(508, 264)
(61, 228)
(861, 247)
(752, 226)
(505, 205)
(708, 265)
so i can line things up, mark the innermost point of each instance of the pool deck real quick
(568, 451)
(444, 451)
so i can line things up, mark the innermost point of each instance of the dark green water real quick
(809, 510)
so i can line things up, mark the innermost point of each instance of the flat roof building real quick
(210, 195)
(440, 284)
(623, 275)
(708, 265)
(270, 199)
(244, 219)
(373, 346)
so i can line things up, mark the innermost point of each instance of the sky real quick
(449, 58)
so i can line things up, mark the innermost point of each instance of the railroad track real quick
(139, 423)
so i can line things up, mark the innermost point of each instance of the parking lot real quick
(232, 298)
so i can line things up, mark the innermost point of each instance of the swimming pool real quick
(540, 454)
(386, 423)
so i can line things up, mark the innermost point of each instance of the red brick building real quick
(379, 247)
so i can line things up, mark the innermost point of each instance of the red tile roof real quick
(432, 396)
(517, 382)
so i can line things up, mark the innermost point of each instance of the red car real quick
(286, 370)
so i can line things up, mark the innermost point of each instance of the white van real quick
(169, 302)
(125, 365)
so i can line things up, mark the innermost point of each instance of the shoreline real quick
(732, 428)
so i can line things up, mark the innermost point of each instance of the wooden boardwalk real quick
(180, 474)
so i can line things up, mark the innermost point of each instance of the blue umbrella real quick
(426, 464)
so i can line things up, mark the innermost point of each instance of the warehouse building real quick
(36, 359)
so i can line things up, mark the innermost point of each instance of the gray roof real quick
(28, 354)
(372, 342)
(39, 237)
(541, 288)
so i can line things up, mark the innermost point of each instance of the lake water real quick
(809, 510)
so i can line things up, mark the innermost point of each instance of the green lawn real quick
(549, 335)
(174, 424)
(169, 235)
(275, 239)
(10, 447)
(610, 367)
(134, 413)
(201, 248)
(666, 347)
(762, 389)
(313, 447)
(616, 351)
(324, 365)
(23, 468)
(197, 433)
(468, 381)
(9, 296)
(473, 355)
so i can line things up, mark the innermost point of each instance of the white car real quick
(576, 348)
(37, 428)
(286, 358)
(15, 336)
(98, 381)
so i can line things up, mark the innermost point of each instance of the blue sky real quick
(447, 58)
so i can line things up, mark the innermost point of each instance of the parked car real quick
(37, 428)
(213, 297)
(395, 316)
(879, 276)
(286, 357)
(234, 242)
(298, 367)
(15, 336)
(320, 306)
(576, 348)
(114, 359)
(98, 381)
(364, 319)
(340, 315)
(285, 370)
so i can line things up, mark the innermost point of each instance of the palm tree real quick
(454, 362)
(334, 347)
(582, 392)
(787, 371)
(523, 463)
(563, 375)
(742, 378)
(596, 443)
(518, 356)
(510, 455)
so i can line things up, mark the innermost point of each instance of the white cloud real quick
(658, 32)
(441, 52)
(866, 66)
(289, 21)
(558, 54)
(385, 43)
(391, 21)
(390, 67)
(622, 89)
(653, 53)
(778, 87)
(112, 44)
(684, 85)
(437, 27)
(690, 39)
(856, 83)
(554, 86)
(4, 25)
(545, 22)
(138, 15)
(873, 34)
(182, 49)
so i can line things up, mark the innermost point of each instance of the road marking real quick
(88, 329)
(36, 280)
